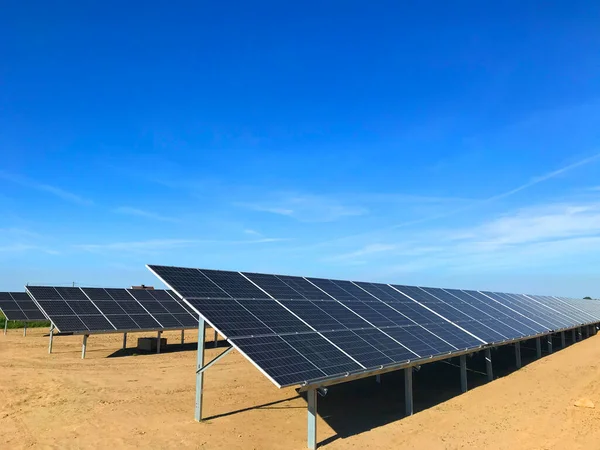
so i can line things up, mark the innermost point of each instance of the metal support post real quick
(563, 341)
(488, 364)
(378, 379)
(158, 342)
(463, 373)
(24, 329)
(408, 391)
(182, 337)
(573, 336)
(579, 334)
(549, 343)
(216, 342)
(199, 371)
(518, 354)
(538, 347)
(84, 346)
(124, 341)
(5, 325)
(312, 418)
(51, 337)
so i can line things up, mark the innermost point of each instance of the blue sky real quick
(452, 145)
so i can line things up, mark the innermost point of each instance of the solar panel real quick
(97, 310)
(18, 306)
(298, 330)
(308, 310)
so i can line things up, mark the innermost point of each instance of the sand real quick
(115, 399)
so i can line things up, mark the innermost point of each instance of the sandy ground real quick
(117, 399)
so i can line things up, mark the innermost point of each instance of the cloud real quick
(144, 214)
(560, 234)
(157, 245)
(306, 207)
(19, 240)
(42, 187)
(368, 249)
(467, 206)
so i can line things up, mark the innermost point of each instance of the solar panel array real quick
(298, 330)
(99, 310)
(19, 306)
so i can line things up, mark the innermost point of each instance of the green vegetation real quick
(587, 298)
(19, 324)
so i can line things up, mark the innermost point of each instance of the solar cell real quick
(234, 284)
(303, 287)
(313, 315)
(358, 348)
(274, 316)
(192, 282)
(273, 286)
(229, 317)
(278, 359)
(320, 352)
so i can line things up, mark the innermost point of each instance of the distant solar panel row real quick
(19, 306)
(87, 310)
(300, 329)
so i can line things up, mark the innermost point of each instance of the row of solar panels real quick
(298, 330)
(19, 306)
(98, 310)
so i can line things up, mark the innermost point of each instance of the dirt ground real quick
(120, 399)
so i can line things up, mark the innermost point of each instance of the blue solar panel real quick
(300, 329)
(88, 310)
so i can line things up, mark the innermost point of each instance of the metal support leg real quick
(24, 329)
(463, 373)
(158, 342)
(563, 340)
(51, 337)
(199, 373)
(312, 418)
(538, 347)
(573, 336)
(5, 325)
(518, 354)
(408, 391)
(378, 379)
(488, 364)
(182, 337)
(124, 341)
(579, 334)
(216, 339)
(84, 346)
(549, 343)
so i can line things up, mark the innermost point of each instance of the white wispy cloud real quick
(156, 245)
(465, 206)
(127, 210)
(537, 236)
(19, 240)
(305, 207)
(368, 249)
(43, 187)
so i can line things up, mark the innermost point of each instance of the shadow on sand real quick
(169, 348)
(358, 406)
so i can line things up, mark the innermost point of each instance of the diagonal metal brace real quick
(202, 369)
